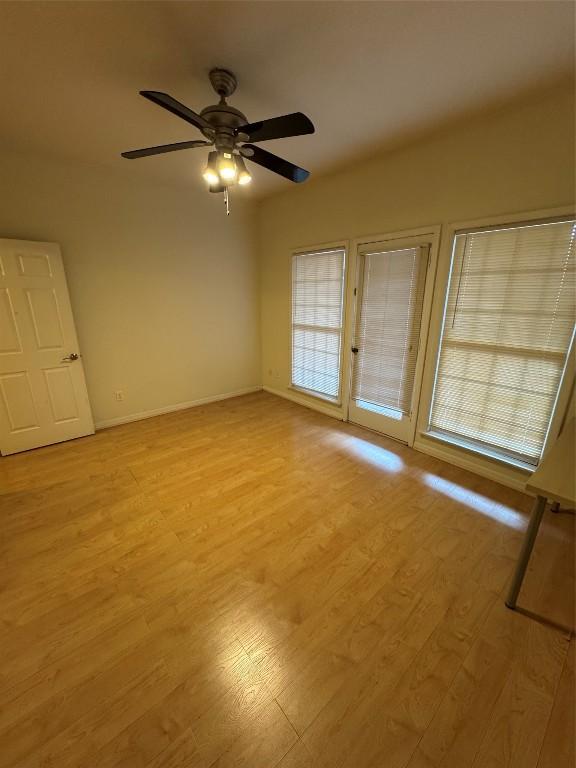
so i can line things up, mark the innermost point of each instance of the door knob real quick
(355, 350)
(70, 358)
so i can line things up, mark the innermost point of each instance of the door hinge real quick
(355, 291)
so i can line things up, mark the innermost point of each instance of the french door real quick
(387, 352)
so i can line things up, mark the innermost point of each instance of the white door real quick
(43, 397)
(386, 360)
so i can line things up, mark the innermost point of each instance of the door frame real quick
(422, 235)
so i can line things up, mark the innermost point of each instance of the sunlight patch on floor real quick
(369, 452)
(493, 509)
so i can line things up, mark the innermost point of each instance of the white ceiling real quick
(365, 72)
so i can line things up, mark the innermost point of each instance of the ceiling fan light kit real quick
(226, 129)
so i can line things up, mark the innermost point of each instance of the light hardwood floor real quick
(253, 584)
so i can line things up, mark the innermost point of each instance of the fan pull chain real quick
(226, 201)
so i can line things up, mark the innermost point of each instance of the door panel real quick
(61, 392)
(34, 265)
(43, 396)
(390, 302)
(9, 339)
(45, 318)
(18, 401)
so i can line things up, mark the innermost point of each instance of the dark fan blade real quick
(276, 164)
(295, 124)
(169, 103)
(134, 153)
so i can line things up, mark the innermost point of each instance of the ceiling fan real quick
(232, 136)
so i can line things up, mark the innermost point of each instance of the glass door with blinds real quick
(386, 347)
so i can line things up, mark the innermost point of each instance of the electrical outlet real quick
(119, 395)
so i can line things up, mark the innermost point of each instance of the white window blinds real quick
(388, 327)
(508, 326)
(317, 299)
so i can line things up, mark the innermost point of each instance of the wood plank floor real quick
(253, 584)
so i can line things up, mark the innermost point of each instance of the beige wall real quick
(163, 284)
(514, 159)
(164, 287)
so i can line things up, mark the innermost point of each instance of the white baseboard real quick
(105, 423)
(327, 410)
(500, 474)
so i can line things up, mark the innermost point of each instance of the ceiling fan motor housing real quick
(223, 117)
(225, 120)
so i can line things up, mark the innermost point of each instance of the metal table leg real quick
(527, 547)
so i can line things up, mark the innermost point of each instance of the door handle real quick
(354, 350)
(70, 358)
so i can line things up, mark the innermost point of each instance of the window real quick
(508, 325)
(317, 308)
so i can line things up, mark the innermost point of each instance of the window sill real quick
(470, 447)
(318, 395)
